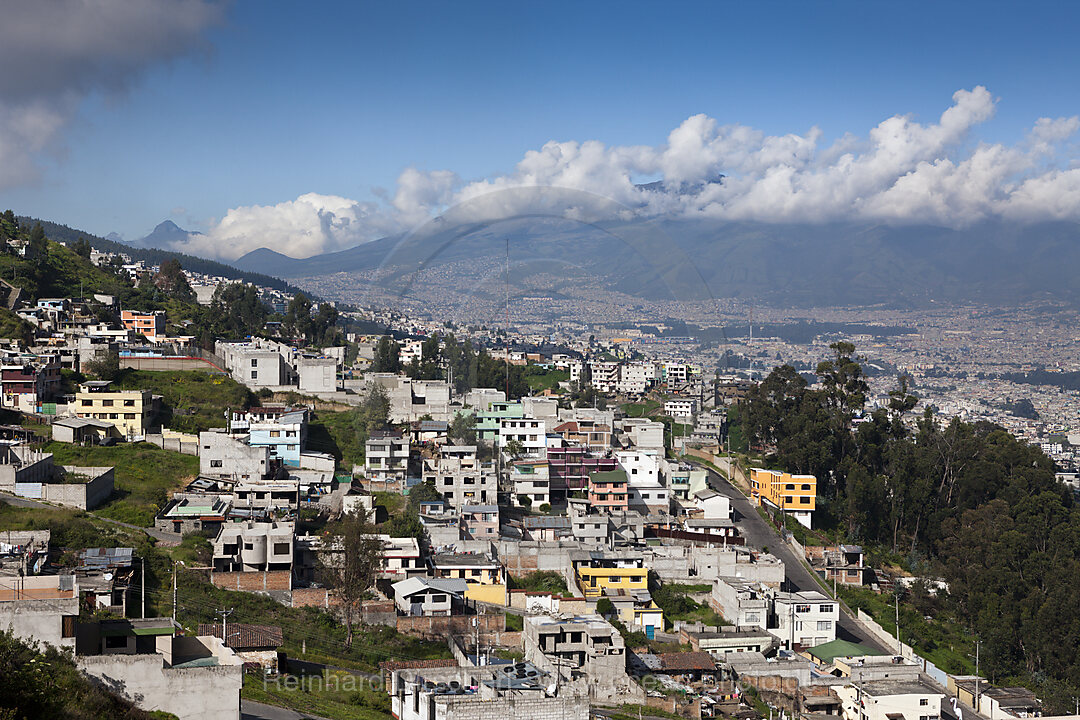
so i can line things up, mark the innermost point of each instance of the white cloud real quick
(54, 54)
(900, 171)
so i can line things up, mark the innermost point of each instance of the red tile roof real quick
(687, 661)
(246, 636)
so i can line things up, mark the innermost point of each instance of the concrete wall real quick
(236, 458)
(565, 708)
(204, 693)
(165, 364)
(39, 620)
(85, 496)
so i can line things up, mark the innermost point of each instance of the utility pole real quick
(977, 644)
(174, 593)
(142, 593)
(899, 648)
(224, 613)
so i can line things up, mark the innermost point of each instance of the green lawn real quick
(144, 475)
(193, 400)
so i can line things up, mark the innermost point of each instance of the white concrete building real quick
(804, 618)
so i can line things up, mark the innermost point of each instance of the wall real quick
(438, 628)
(253, 581)
(565, 708)
(905, 650)
(173, 443)
(85, 496)
(164, 364)
(204, 693)
(494, 594)
(38, 620)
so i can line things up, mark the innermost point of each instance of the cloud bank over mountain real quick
(900, 172)
(53, 55)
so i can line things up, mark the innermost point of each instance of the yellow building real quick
(131, 411)
(593, 581)
(794, 494)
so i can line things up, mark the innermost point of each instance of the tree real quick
(170, 279)
(351, 560)
(515, 449)
(463, 428)
(298, 323)
(604, 607)
(524, 501)
(387, 356)
(38, 246)
(82, 248)
(104, 367)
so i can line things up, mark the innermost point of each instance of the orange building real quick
(151, 324)
(794, 494)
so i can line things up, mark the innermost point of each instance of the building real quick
(231, 456)
(254, 547)
(151, 325)
(744, 603)
(253, 644)
(890, 700)
(795, 495)
(592, 434)
(194, 513)
(386, 459)
(285, 436)
(726, 640)
(459, 475)
(609, 490)
(32, 474)
(430, 597)
(505, 691)
(131, 411)
(486, 578)
(531, 480)
(569, 468)
(841, 564)
(40, 608)
(529, 433)
(806, 618)
(586, 650)
(317, 374)
(680, 408)
(479, 522)
(400, 558)
(25, 385)
(596, 572)
(258, 362)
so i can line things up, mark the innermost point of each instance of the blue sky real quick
(269, 101)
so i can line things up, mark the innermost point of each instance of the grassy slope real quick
(195, 400)
(145, 474)
(333, 432)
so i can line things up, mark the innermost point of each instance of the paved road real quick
(167, 537)
(251, 710)
(761, 534)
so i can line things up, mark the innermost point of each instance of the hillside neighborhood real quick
(217, 497)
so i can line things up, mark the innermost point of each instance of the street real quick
(761, 534)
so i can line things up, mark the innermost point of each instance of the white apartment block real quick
(673, 372)
(530, 432)
(892, 699)
(680, 408)
(604, 375)
(805, 618)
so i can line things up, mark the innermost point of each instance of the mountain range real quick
(995, 263)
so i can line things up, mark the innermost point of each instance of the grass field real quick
(334, 694)
(145, 475)
(336, 433)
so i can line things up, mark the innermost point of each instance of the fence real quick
(906, 650)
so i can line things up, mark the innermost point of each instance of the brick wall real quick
(312, 597)
(253, 581)
(437, 628)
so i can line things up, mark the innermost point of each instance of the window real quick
(789, 487)
(752, 618)
(254, 362)
(924, 701)
(282, 548)
(275, 433)
(825, 625)
(248, 546)
(129, 416)
(825, 609)
(802, 608)
(805, 487)
(254, 374)
(115, 642)
(215, 463)
(106, 403)
(804, 500)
